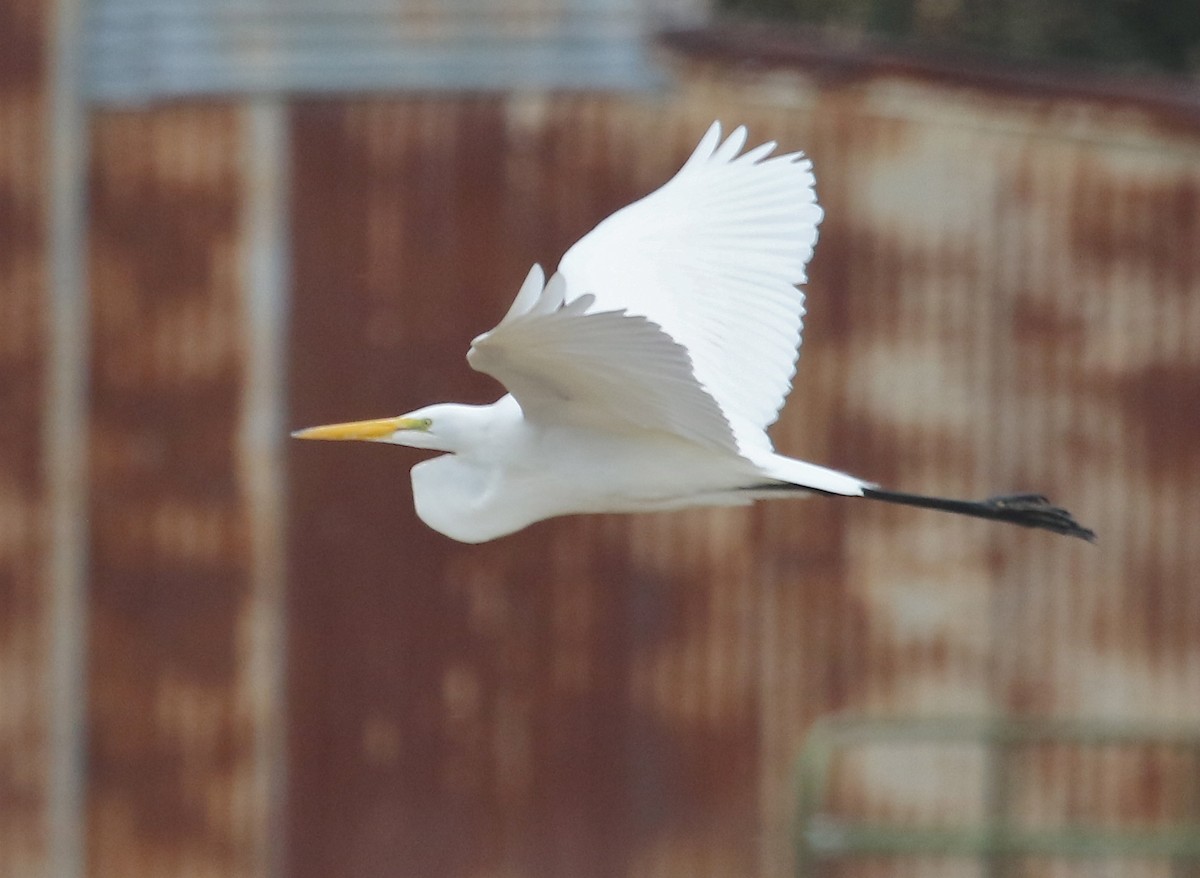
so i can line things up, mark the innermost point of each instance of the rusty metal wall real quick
(1004, 298)
(489, 710)
(175, 691)
(24, 722)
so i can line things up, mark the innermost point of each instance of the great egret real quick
(644, 374)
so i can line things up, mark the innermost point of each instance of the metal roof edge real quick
(757, 48)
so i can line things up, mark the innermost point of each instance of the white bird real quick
(644, 374)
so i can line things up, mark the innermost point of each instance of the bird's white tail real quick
(809, 475)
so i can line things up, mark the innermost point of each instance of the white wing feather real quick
(713, 257)
(608, 370)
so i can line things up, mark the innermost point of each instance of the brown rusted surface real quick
(506, 707)
(24, 721)
(1004, 298)
(171, 786)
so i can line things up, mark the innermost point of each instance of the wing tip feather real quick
(526, 298)
(706, 147)
(733, 144)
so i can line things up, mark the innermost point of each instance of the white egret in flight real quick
(644, 374)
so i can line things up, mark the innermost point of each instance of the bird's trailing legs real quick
(1027, 510)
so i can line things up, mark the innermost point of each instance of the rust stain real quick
(25, 730)
(1160, 404)
(22, 64)
(1149, 227)
(1050, 323)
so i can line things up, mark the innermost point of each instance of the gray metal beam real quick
(143, 50)
(64, 446)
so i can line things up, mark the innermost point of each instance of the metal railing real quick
(822, 836)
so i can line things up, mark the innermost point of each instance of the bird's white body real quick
(519, 474)
(508, 474)
(473, 498)
(644, 374)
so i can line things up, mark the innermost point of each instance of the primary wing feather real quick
(598, 369)
(714, 258)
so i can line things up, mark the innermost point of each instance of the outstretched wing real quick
(713, 257)
(570, 364)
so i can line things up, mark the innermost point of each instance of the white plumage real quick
(644, 374)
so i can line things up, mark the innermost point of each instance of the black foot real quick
(1034, 510)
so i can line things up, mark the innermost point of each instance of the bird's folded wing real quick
(604, 370)
(713, 257)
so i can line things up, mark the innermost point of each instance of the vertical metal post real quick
(1189, 811)
(998, 799)
(812, 786)
(64, 447)
(265, 285)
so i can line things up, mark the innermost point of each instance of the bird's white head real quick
(444, 427)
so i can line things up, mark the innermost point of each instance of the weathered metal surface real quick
(505, 739)
(174, 784)
(24, 719)
(1016, 277)
(1005, 297)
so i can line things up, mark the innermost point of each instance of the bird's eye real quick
(426, 423)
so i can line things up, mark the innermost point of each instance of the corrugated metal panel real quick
(1015, 270)
(25, 750)
(994, 306)
(141, 50)
(1005, 296)
(180, 697)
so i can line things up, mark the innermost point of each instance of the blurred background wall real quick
(224, 656)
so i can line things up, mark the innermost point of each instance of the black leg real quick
(1027, 510)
